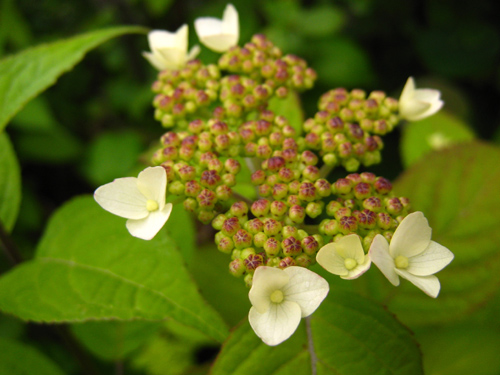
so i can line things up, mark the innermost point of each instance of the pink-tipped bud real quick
(291, 246)
(348, 224)
(272, 247)
(253, 261)
(382, 185)
(287, 262)
(260, 208)
(297, 214)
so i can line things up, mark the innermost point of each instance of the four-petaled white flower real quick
(411, 254)
(170, 50)
(141, 200)
(219, 35)
(344, 257)
(280, 298)
(417, 104)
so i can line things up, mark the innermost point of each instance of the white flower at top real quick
(280, 298)
(141, 200)
(344, 257)
(170, 50)
(219, 35)
(417, 104)
(411, 254)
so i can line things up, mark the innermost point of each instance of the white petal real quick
(174, 58)
(148, 227)
(427, 95)
(413, 110)
(433, 259)
(360, 269)
(219, 35)
(152, 182)
(156, 60)
(122, 198)
(379, 254)
(350, 247)
(265, 281)
(428, 284)
(408, 91)
(330, 260)
(434, 107)
(305, 288)
(416, 104)
(159, 39)
(412, 236)
(277, 324)
(193, 52)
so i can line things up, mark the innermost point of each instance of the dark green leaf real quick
(26, 74)
(88, 267)
(21, 359)
(10, 183)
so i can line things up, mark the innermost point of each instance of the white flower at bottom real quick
(219, 35)
(280, 298)
(411, 254)
(141, 200)
(417, 104)
(170, 50)
(344, 257)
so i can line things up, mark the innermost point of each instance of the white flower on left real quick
(417, 104)
(219, 35)
(411, 254)
(170, 50)
(280, 298)
(141, 200)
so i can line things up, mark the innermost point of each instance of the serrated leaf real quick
(27, 73)
(10, 184)
(22, 359)
(350, 335)
(457, 190)
(433, 133)
(88, 267)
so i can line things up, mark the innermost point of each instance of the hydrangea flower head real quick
(411, 254)
(170, 50)
(219, 35)
(417, 104)
(344, 257)
(141, 200)
(280, 298)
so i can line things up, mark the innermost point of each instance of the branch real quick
(310, 346)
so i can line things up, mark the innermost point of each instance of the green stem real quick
(325, 170)
(310, 346)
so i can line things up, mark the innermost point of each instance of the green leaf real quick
(320, 20)
(111, 155)
(21, 359)
(88, 267)
(433, 133)
(114, 341)
(10, 184)
(26, 74)
(291, 108)
(182, 231)
(457, 190)
(350, 335)
(462, 349)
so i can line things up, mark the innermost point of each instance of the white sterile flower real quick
(344, 257)
(417, 104)
(170, 50)
(280, 298)
(219, 35)
(141, 200)
(411, 254)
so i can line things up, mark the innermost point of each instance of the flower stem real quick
(310, 346)
(325, 170)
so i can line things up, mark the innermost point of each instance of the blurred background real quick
(97, 122)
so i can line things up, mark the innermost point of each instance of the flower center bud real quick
(151, 205)
(401, 262)
(350, 263)
(277, 296)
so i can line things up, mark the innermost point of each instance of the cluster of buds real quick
(347, 128)
(185, 93)
(366, 206)
(260, 71)
(195, 168)
(263, 240)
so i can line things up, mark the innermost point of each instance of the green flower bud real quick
(348, 224)
(304, 260)
(225, 245)
(254, 226)
(237, 267)
(259, 239)
(218, 221)
(223, 192)
(287, 262)
(206, 216)
(176, 188)
(242, 239)
(253, 261)
(190, 204)
(309, 245)
(314, 209)
(272, 227)
(297, 214)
